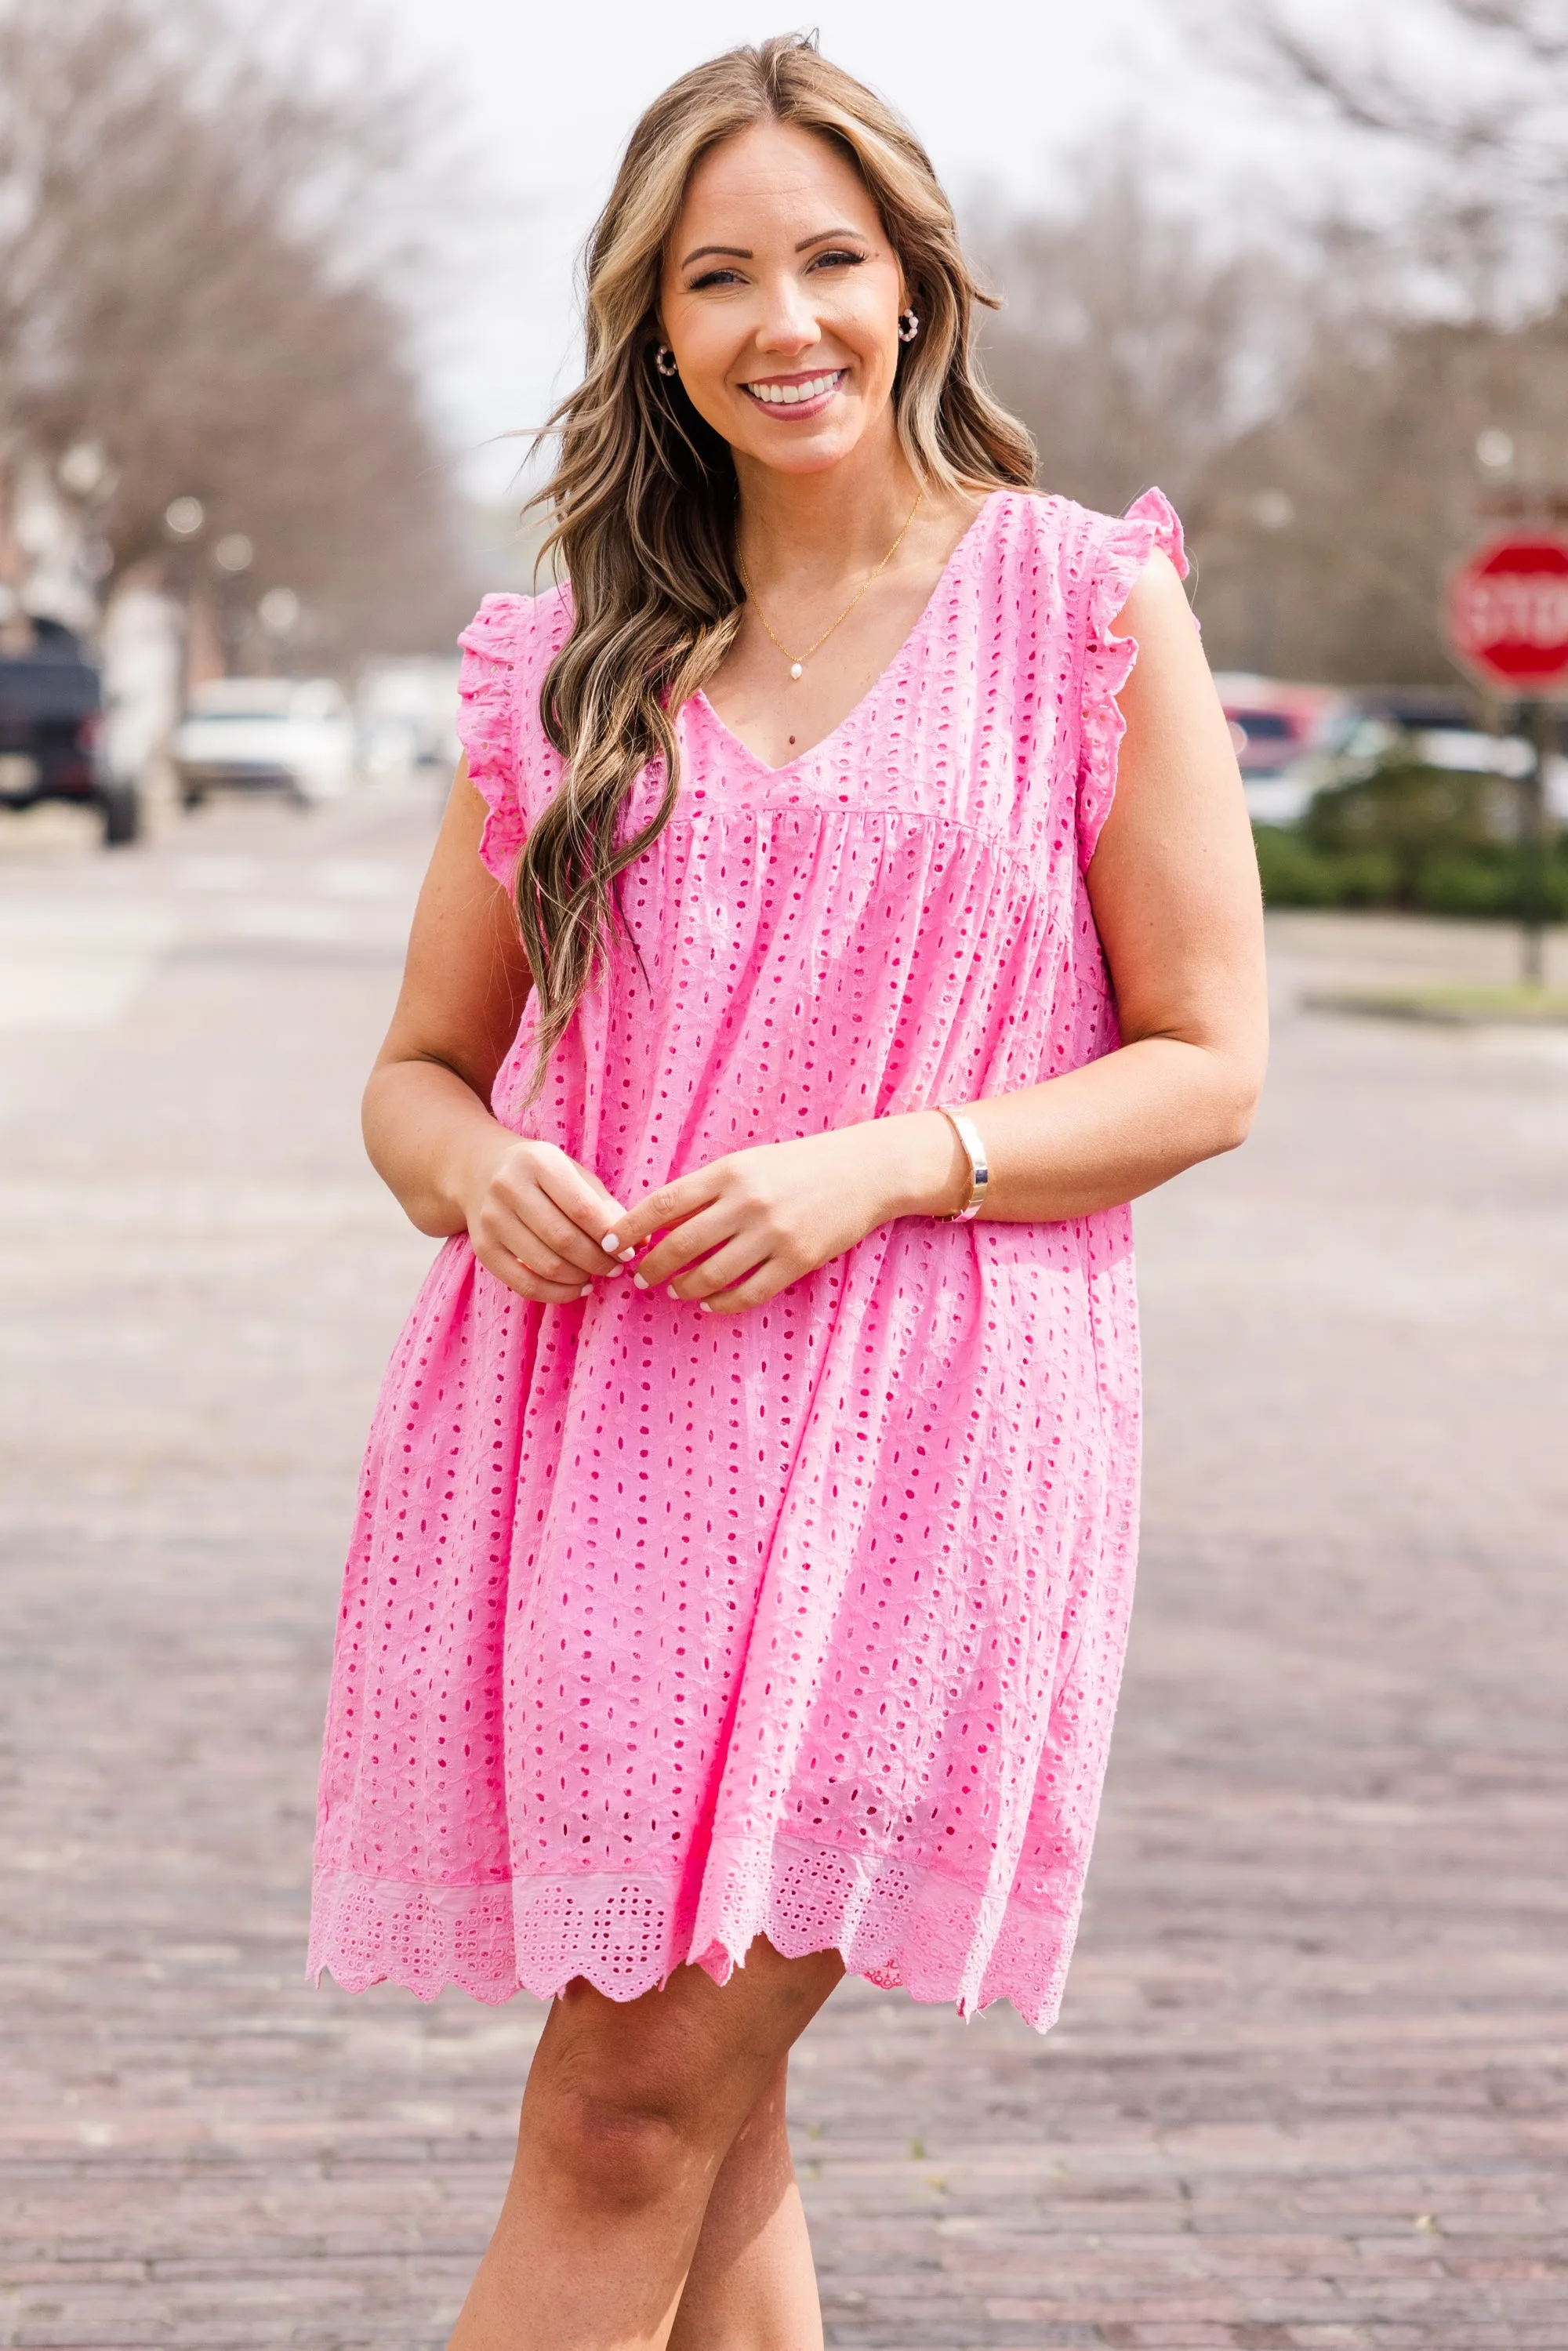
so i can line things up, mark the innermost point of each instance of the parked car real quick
(1436, 727)
(265, 733)
(51, 728)
(1284, 735)
(407, 712)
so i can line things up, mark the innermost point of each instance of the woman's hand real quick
(757, 1219)
(535, 1218)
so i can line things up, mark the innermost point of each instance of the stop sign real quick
(1508, 612)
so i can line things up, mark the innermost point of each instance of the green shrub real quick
(1404, 835)
(1293, 873)
(1368, 877)
(1409, 815)
(1478, 884)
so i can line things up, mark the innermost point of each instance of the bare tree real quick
(1133, 353)
(1325, 552)
(196, 277)
(1376, 96)
(1476, 98)
(1442, 330)
(1322, 446)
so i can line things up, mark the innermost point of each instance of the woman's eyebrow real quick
(824, 234)
(744, 251)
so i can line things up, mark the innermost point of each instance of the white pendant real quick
(795, 669)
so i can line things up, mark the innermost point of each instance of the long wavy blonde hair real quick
(643, 500)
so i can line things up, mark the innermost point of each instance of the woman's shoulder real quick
(506, 648)
(1080, 541)
(1059, 572)
(511, 627)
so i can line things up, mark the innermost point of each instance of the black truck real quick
(51, 726)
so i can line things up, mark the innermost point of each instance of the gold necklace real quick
(798, 660)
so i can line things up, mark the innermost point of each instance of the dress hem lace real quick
(897, 1925)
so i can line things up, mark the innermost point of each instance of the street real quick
(1307, 2090)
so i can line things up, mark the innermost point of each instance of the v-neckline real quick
(879, 683)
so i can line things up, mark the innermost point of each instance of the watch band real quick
(968, 1135)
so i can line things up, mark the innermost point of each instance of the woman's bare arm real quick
(533, 1214)
(1174, 885)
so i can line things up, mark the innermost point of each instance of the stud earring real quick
(908, 325)
(664, 360)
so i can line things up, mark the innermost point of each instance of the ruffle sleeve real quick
(487, 725)
(1124, 548)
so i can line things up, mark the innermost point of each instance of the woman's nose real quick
(790, 323)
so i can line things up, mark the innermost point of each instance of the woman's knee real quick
(618, 2148)
(625, 2101)
(622, 2105)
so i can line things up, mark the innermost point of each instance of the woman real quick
(712, 1630)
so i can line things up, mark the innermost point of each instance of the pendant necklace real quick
(798, 660)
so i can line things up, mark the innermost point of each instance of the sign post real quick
(1508, 624)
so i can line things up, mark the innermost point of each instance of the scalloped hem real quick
(896, 1926)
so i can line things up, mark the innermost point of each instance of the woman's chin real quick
(805, 448)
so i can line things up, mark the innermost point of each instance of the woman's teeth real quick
(789, 395)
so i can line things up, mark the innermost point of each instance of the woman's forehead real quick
(775, 170)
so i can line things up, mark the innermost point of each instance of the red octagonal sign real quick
(1508, 612)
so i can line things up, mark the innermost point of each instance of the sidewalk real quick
(1307, 2092)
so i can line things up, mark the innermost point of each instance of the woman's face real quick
(781, 299)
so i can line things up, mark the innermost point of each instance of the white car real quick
(407, 714)
(266, 733)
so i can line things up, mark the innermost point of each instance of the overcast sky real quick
(1002, 95)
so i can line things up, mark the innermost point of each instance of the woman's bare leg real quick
(752, 2286)
(630, 2111)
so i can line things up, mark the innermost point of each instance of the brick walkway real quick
(1307, 2091)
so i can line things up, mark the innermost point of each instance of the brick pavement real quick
(1307, 2090)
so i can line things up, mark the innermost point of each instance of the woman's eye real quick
(837, 260)
(713, 277)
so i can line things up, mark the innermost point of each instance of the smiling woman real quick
(766, 230)
(834, 927)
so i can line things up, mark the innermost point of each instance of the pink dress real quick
(663, 1630)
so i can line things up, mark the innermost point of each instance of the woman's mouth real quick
(796, 396)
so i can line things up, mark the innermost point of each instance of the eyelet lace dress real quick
(661, 1630)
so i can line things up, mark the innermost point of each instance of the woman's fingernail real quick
(703, 1308)
(615, 1273)
(639, 1281)
(611, 1242)
(626, 1252)
(587, 1289)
